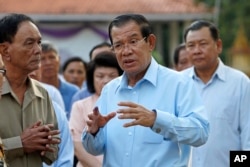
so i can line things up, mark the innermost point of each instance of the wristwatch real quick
(3, 71)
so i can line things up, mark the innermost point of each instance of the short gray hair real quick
(49, 46)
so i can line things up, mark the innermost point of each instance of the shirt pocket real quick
(227, 109)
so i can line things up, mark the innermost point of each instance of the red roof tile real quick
(55, 7)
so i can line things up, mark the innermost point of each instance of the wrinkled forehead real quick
(130, 27)
(28, 29)
(199, 34)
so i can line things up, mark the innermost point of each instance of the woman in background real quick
(102, 69)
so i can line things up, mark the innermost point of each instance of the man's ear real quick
(219, 46)
(4, 50)
(152, 41)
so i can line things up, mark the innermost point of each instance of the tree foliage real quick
(232, 15)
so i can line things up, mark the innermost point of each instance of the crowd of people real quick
(122, 108)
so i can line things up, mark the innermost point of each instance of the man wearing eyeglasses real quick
(141, 117)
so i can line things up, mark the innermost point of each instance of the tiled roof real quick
(55, 7)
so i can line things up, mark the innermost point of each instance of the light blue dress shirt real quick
(226, 97)
(81, 94)
(54, 94)
(67, 91)
(66, 147)
(180, 119)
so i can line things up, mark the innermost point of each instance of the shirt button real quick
(130, 133)
(158, 130)
(126, 154)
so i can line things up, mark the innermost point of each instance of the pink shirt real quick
(79, 116)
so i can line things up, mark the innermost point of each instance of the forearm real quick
(93, 145)
(84, 157)
(192, 131)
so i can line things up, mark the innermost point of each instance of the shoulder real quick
(233, 77)
(58, 110)
(38, 88)
(235, 73)
(64, 85)
(113, 84)
(36, 84)
(49, 87)
(82, 102)
(171, 75)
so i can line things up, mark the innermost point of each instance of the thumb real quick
(110, 116)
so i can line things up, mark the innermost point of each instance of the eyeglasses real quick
(131, 43)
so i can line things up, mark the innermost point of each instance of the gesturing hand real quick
(96, 120)
(38, 137)
(139, 114)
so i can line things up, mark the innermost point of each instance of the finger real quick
(128, 104)
(50, 137)
(133, 123)
(89, 123)
(128, 116)
(54, 141)
(96, 111)
(125, 111)
(91, 116)
(51, 126)
(46, 128)
(54, 132)
(110, 116)
(48, 149)
(43, 128)
(42, 153)
(36, 124)
(51, 149)
(45, 141)
(42, 136)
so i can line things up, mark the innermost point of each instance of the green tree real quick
(232, 14)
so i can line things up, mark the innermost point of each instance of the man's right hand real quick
(38, 137)
(96, 120)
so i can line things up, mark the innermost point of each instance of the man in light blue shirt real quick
(225, 92)
(66, 147)
(143, 116)
(67, 91)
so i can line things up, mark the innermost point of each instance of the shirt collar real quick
(220, 72)
(32, 88)
(150, 75)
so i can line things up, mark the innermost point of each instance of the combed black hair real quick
(103, 44)
(9, 25)
(146, 28)
(74, 59)
(103, 59)
(197, 25)
(177, 52)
